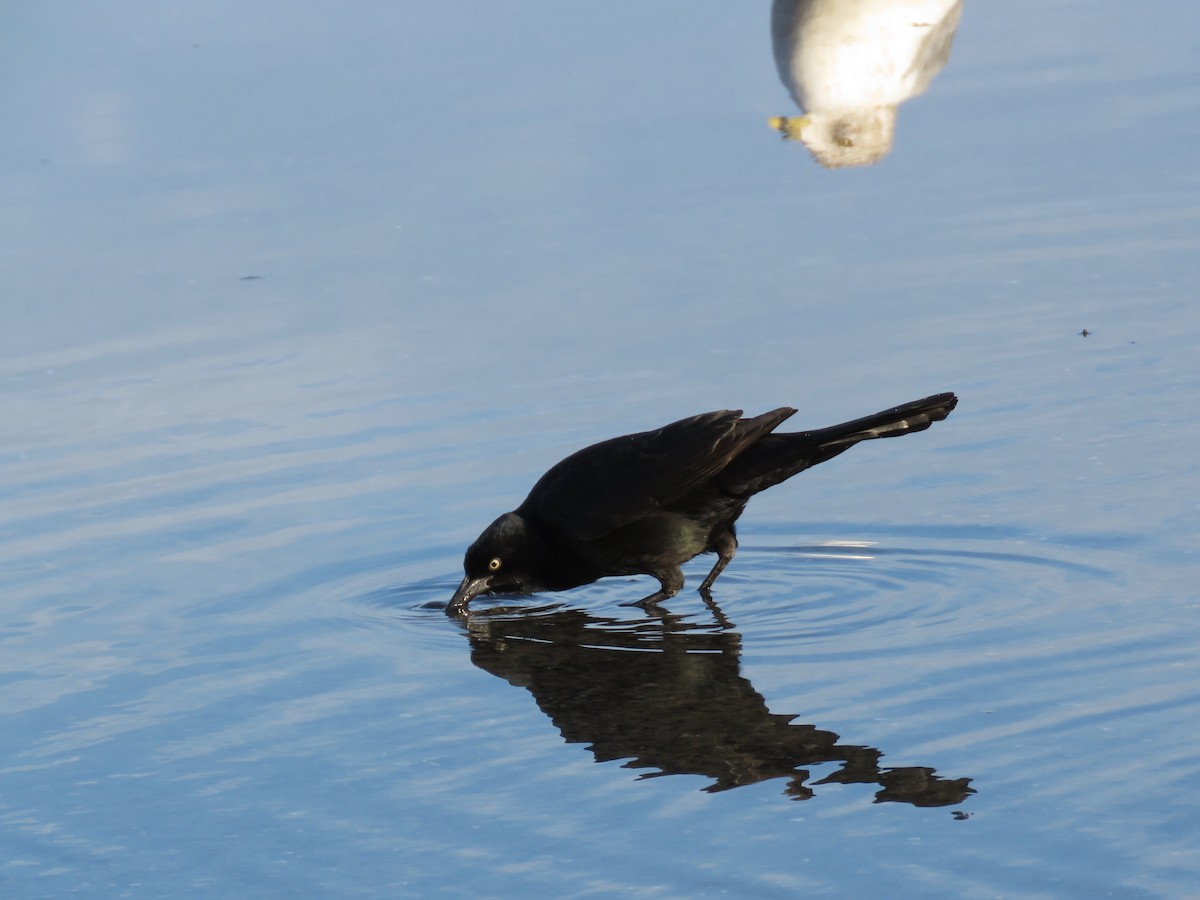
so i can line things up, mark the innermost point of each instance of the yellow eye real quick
(494, 565)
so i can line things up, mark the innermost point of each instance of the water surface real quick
(298, 300)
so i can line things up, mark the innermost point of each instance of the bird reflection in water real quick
(668, 695)
(849, 63)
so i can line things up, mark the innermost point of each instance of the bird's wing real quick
(603, 487)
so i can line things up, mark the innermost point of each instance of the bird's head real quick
(855, 137)
(845, 137)
(501, 561)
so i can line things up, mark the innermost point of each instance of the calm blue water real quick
(298, 297)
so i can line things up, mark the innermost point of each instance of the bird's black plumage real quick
(644, 504)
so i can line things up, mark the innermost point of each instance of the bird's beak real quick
(467, 591)
(790, 127)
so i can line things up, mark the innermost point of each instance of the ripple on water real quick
(878, 617)
(920, 647)
(807, 592)
(895, 593)
(609, 677)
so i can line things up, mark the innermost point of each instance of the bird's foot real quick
(669, 583)
(650, 602)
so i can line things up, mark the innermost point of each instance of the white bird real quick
(849, 63)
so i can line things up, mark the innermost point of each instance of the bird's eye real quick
(494, 565)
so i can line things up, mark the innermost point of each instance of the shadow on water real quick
(669, 695)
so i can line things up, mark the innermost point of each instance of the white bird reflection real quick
(849, 63)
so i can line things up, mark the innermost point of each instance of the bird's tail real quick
(777, 457)
(904, 419)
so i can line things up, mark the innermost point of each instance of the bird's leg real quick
(670, 581)
(726, 546)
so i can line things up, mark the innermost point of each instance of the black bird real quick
(644, 504)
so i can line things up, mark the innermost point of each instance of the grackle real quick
(646, 503)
